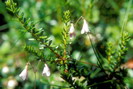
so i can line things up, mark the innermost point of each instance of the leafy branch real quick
(65, 34)
(29, 25)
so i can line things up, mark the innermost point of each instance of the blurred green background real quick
(105, 18)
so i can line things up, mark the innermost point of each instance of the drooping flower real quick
(72, 31)
(24, 74)
(46, 70)
(85, 28)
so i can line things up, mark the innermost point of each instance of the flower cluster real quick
(24, 74)
(85, 29)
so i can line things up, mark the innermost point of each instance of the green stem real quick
(126, 16)
(100, 83)
(97, 54)
(94, 50)
(81, 17)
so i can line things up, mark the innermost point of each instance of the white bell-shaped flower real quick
(46, 70)
(72, 31)
(24, 74)
(85, 28)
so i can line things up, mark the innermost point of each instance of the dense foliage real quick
(83, 44)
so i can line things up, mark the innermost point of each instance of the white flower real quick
(72, 31)
(5, 70)
(85, 27)
(11, 84)
(46, 70)
(24, 74)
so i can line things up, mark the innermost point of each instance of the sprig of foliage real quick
(122, 47)
(65, 34)
(74, 84)
(11, 6)
(33, 50)
(29, 26)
